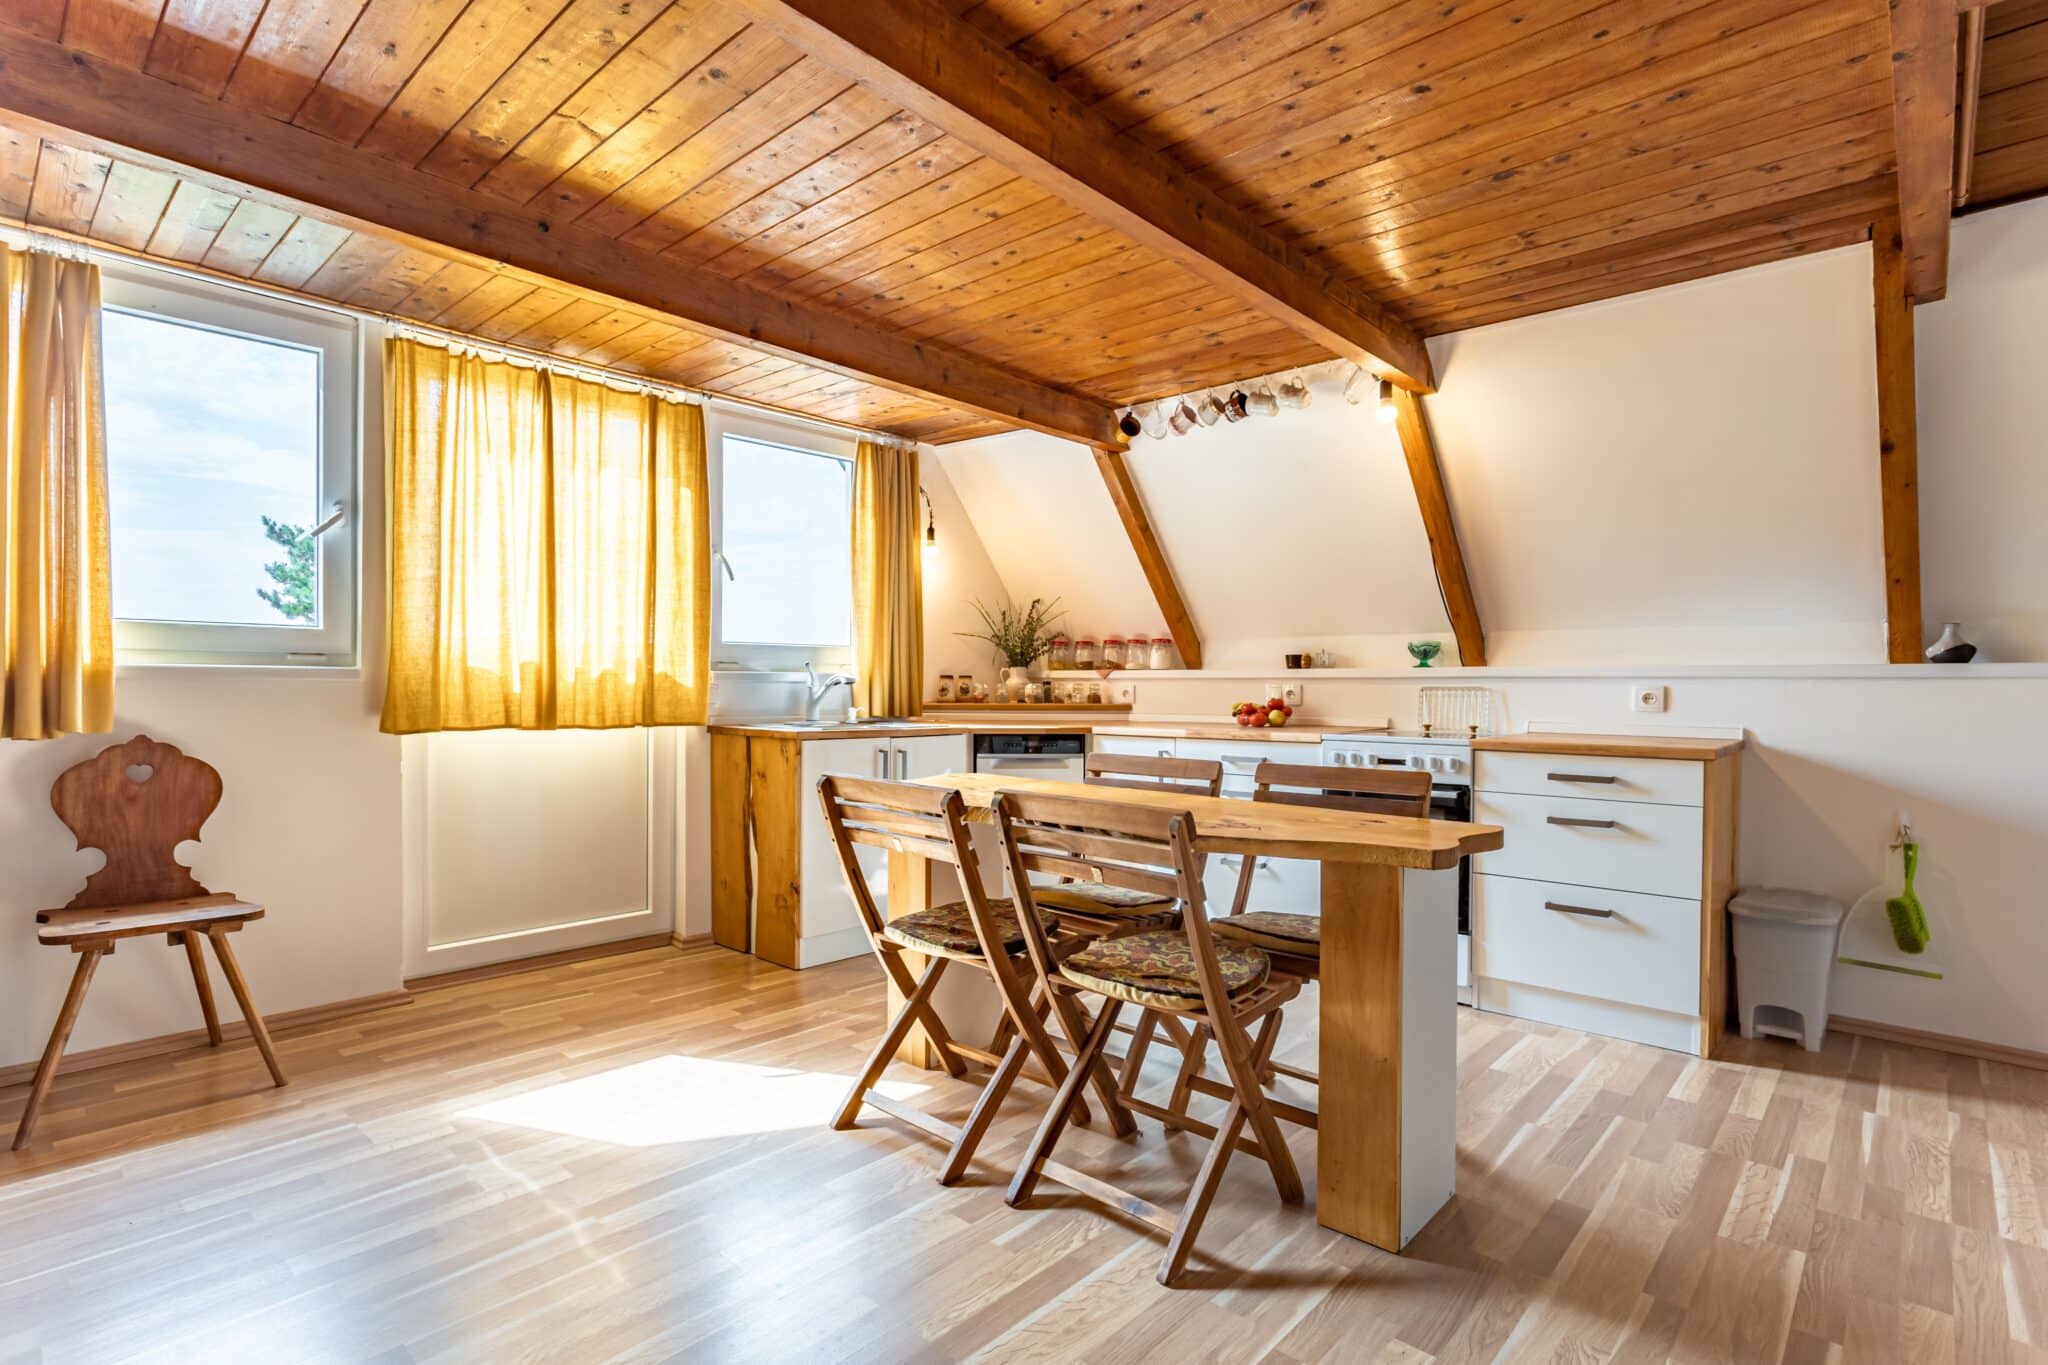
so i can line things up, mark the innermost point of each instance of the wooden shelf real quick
(1092, 708)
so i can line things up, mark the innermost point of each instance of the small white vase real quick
(1018, 681)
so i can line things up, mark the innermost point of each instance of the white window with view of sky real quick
(230, 440)
(785, 538)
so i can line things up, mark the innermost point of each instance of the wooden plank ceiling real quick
(1461, 164)
(2011, 145)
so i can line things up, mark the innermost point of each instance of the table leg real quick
(1386, 1140)
(910, 890)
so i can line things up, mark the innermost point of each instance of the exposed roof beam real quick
(77, 98)
(1426, 473)
(1924, 133)
(1130, 508)
(1898, 444)
(920, 55)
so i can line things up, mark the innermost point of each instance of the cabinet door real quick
(827, 905)
(1292, 885)
(927, 756)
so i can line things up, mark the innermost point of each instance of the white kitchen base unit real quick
(1606, 908)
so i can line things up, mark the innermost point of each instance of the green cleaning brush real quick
(1909, 921)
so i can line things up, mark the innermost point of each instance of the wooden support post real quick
(1428, 477)
(1123, 491)
(1898, 443)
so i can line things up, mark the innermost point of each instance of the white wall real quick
(1983, 418)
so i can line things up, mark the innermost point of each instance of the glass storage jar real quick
(1084, 653)
(945, 687)
(1137, 652)
(1061, 655)
(1163, 655)
(1113, 652)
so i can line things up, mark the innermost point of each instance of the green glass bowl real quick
(1425, 650)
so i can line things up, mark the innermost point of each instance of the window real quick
(785, 541)
(231, 457)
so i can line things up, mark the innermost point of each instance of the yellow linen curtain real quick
(888, 582)
(56, 596)
(550, 549)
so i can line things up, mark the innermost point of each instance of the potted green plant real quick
(1019, 638)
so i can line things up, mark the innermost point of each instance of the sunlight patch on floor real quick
(680, 1099)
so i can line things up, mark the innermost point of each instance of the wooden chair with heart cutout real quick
(136, 802)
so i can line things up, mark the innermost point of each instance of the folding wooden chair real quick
(1110, 910)
(137, 802)
(1295, 941)
(1229, 991)
(978, 931)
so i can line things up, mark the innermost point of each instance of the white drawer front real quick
(1610, 945)
(1133, 744)
(1667, 781)
(1621, 845)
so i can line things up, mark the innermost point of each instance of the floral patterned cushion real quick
(1093, 898)
(1158, 968)
(949, 930)
(1301, 935)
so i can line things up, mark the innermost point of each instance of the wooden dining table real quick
(1386, 1138)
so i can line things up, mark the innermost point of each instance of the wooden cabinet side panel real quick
(775, 772)
(1723, 779)
(731, 877)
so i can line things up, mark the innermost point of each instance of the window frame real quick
(337, 337)
(746, 656)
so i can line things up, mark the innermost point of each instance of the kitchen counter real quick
(1006, 722)
(1610, 746)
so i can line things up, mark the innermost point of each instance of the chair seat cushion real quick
(1273, 930)
(1093, 898)
(949, 929)
(1158, 969)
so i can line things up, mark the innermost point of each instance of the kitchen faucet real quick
(818, 688)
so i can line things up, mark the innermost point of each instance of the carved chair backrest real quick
(136, 802)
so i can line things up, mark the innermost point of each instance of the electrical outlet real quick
(1647, 697)
(1291, 694)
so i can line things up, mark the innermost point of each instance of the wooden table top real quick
(1269, 829)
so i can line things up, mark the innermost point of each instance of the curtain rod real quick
(60, 242)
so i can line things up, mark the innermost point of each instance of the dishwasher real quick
(1058, 758)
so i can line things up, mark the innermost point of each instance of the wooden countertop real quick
(1004, 722)
(1270, 829)
(1610, 746)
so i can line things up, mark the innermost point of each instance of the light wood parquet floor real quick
(625, 1159)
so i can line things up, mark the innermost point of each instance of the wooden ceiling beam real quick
(1123, 491)
(921, 56)
(76, 98)
(1923, 36)
(1426, 473)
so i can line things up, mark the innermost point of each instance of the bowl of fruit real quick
(1272, 713)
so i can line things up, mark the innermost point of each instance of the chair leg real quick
(1096, 1072)
(232, 970)
(1194, 1055)
(1243, 1064)
(198, 961)
(984, 1112)
(1055, 1120)
(46, 1072)
(941, 1041)
(885, 1051)
(1047, 1051)
(1134, 1057)
(1196, 1210)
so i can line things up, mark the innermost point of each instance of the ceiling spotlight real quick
(1385, 411)
(1355, 386)
(931, 524)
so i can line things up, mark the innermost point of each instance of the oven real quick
(1060, 758)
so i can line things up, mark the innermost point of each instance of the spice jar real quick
(1163, 655)
(1061, 655)
(945, 687)
(1138, 651)
(1113, 652)
(1084, 653)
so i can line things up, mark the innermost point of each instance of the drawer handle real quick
(1576, 822)
(1562, 908)
(1582, 777)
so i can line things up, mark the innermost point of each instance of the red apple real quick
(1287, 710)
(1258, 718)
(1244, 718)
(1274, 703)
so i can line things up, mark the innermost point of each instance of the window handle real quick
(725, 564)
(334, 519)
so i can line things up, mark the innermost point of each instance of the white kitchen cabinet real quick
(830, 929)
(1143, 745)
(1604, 908)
